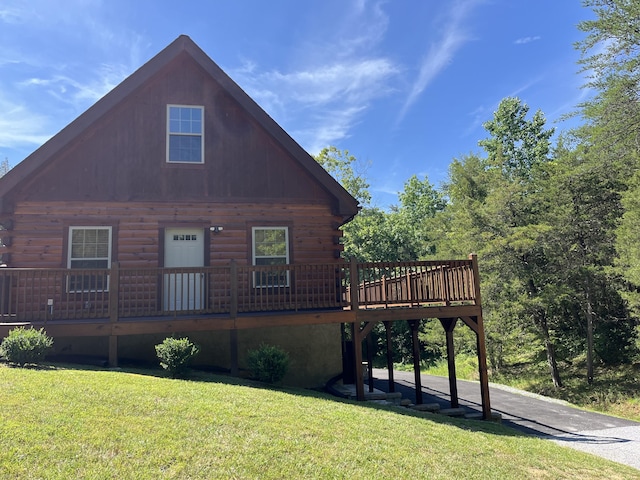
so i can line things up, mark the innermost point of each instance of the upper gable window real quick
(185, 139)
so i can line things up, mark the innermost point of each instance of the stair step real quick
(495, 416)
(426, 407)
(453, 412)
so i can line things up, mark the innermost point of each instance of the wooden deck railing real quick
(416, 283)
(52, 294)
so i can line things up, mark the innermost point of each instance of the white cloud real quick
(336, 87)
(364, 28)
(441, 53)
(525, 40)
(20, 127)
(9, 15)
(337, 94)
(79, 94)
(323, 133)
(88, 59)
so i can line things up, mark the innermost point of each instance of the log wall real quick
(40, 230)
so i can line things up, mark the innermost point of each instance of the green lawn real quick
(69, 422)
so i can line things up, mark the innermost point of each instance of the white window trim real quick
(169, 133)
(70, 258)
(254, 257)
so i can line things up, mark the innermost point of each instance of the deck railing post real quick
(476, 277)
(444, 286)
(354, 283)
(234, 289)
(409, 286)
(384, 290)
(114, 292)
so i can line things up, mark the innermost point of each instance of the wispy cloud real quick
(525, 40)
(77, 93)
(60, 84)
(20, 127)
(337, 93)
(9, 15)
(337, 87)
(441, 53)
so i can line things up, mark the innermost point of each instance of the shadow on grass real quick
(221, 377)
(29, 366)
(197, 375)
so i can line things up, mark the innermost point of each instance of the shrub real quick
(25, 345)
(175, 354)
(268, 363)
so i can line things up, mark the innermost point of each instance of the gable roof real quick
(346, 205)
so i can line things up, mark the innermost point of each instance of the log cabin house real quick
(176, 205)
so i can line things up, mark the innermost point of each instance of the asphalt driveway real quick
(609, 437)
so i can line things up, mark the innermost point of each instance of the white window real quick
(89, 248)
(271, 247)
(185, 138)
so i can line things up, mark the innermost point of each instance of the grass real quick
(615, 390)
(68, 422)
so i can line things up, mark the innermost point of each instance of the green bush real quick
(175, 354)
(25, 345)
(268, 363)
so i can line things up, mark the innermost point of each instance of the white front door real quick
(183, 247)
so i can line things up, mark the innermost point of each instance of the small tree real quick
(25, 345)
(175, 354)
(268, 363)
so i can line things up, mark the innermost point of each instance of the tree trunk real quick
(589, 313)
(551, 354)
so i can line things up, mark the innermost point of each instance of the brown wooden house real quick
(176, 205)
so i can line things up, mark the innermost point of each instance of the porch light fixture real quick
(216, 229)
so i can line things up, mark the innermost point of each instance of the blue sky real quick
(404, 85)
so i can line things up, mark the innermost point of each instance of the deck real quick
(129, 301)
(233, 296)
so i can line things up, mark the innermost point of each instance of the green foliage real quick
(420, 203)
(344, 167)
(175, 354)
(268, 363)
(497, 209)
(627, 245)
(25, 345)
(466, 367)
(516, 145)
(611, 46)
(378, 236)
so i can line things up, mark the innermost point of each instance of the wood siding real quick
(122, 155)
(40, 230)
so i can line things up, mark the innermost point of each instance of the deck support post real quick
(233, 352)
(113, 351)
(480, 343)
(114, 305)
(449, 324)
(370, 362)
(392, 384)
(482, 369)
(357, 361)
(234, 369)
(359, 335)
(415, 325)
